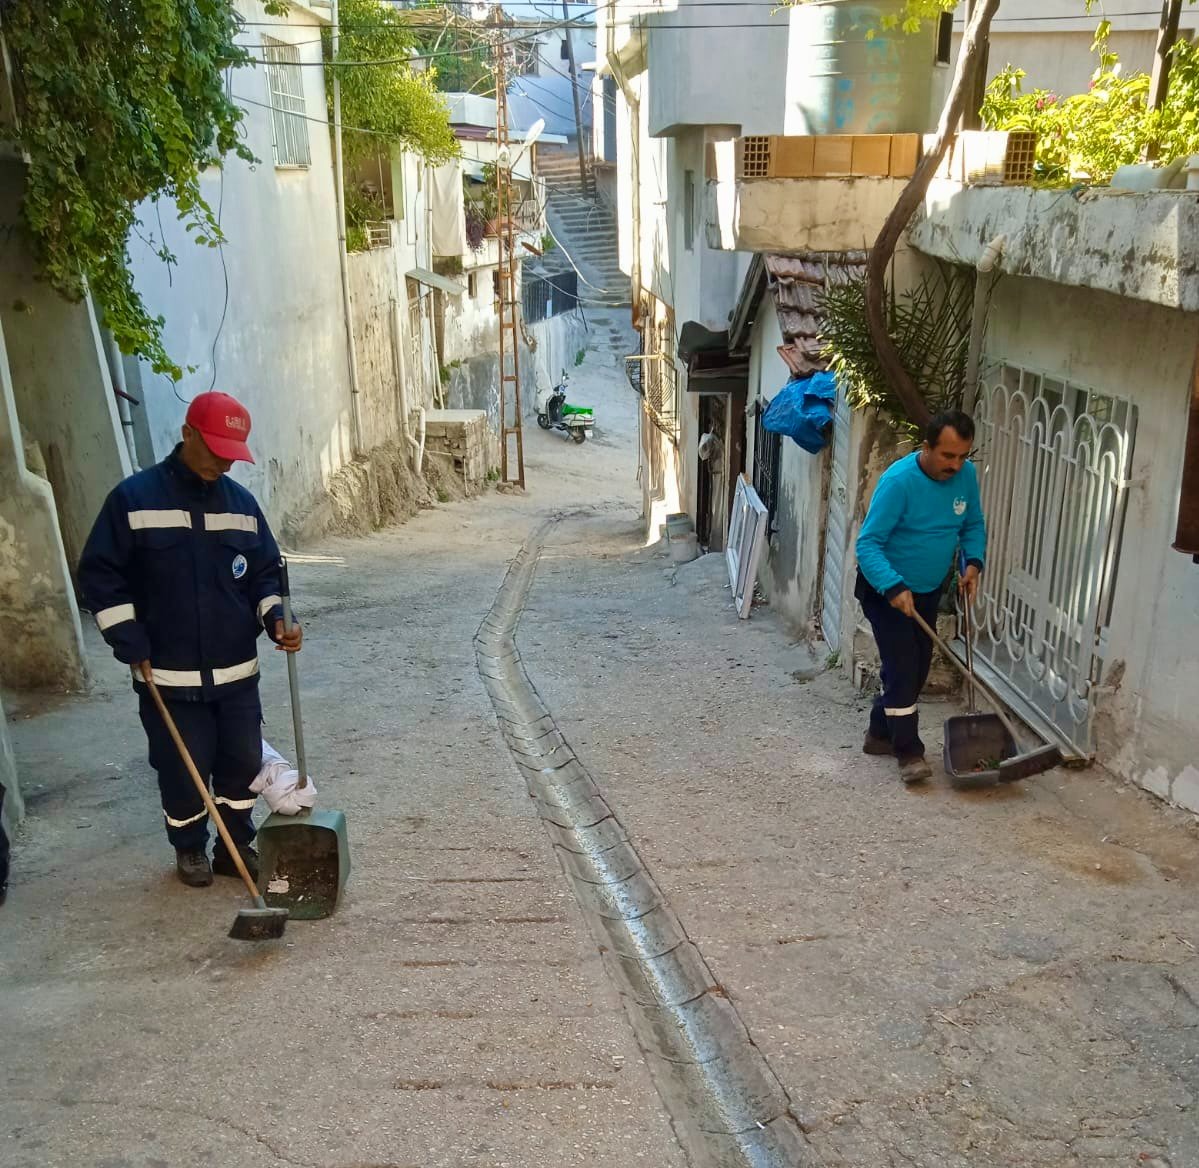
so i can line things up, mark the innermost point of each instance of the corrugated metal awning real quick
(433, 280)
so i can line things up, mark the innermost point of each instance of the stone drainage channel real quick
(727, 1107)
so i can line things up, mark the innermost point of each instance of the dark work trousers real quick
(906, 654)
(225, 740)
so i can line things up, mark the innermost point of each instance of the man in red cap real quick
(182, 574)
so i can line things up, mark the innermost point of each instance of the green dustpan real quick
(303, 860)
(303, 863)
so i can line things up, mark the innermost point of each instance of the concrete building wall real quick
(277, 340)
(474, 383)
(791, 572)
(60, 379)
(373, 295)
(1051, 39)
(39, 620)
(748, 46)
(1145, 730)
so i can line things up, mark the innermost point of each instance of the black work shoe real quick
(876, 745)
(914, 770)
(193, 868)
(223, 865)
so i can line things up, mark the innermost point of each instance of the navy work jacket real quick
(184, 574)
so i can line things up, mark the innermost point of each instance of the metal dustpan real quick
(303, 860)
(983, 750)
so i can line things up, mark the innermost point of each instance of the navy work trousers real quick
(907, 655)
(225, 741)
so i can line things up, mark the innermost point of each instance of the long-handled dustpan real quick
(984, 749)
(304, 859)
(262, 922)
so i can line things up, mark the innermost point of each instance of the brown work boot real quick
(876, 745)
(223, 865)
(193, 868)
(914, 770)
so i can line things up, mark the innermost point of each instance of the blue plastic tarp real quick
(803, 410)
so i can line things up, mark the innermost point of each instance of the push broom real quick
(260, 923)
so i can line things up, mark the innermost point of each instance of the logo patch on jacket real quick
(240, 565)
(959, 506)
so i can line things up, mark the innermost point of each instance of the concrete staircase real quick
(585, 228)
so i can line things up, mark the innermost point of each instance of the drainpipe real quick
(342, 254)
(116, 370)
(987, 272)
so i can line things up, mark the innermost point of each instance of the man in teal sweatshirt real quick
(926, 506)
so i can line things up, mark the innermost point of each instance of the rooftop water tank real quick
(842, 81)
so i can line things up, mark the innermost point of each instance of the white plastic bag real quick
(278, 781)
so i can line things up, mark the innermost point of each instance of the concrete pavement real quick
(935, 979)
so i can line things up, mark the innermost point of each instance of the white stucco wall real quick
(60, 378)
(39, 621)
(746, 44)
(281, 348)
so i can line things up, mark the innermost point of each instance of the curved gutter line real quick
(727, 1107)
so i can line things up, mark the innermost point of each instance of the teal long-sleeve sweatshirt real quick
(914, 526)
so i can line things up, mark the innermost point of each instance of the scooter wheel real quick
(579, 435)
(543, 421)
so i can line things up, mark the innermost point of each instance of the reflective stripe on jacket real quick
(185, 574)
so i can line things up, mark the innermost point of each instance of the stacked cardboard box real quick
(462, 438)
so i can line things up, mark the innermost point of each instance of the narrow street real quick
(913, 976)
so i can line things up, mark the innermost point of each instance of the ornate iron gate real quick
(1055, 459)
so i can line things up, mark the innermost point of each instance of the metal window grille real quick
(378, 233)
(285, 81)
(655, 378)
(544, 297)
(1055, 460)
(768, 452)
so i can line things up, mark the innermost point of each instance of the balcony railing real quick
(655, 378)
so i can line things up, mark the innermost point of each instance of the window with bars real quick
(285, 81)
(768, 448)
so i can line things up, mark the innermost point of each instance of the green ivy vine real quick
(119, 102)
(388, 101)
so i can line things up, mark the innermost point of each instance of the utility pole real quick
(512, 465)
(1159, 81)
(584, 177)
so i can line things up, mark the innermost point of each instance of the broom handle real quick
(967, 620)
(202, 787)
(986, 689)
(293, 680)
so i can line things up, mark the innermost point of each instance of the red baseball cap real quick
(224, 424)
